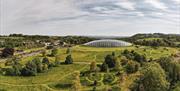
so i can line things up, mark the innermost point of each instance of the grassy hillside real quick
(59, 78)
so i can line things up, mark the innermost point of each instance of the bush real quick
(54, 52)
(7, 52)
(69, 60)
(45, 60)
(110, 61)
(30, 69)
(104, 67)
(132, 67)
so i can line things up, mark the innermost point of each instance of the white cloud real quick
(140, 14)
(126, 5)
(176, 1)
(157, 4)
(91, 17)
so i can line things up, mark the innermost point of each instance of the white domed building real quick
(107, 43)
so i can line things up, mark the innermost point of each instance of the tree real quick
(171, 67)
(54, 52)
(12, 61)
(93, 66)
(104, 67)
(45, 61)
(15, 70)
(57, 60)
(69, 60)
(118, 66)
(30, 69)
(44, 53)
(153, 78)
(110, 61)
(39, 64)
(132, 67)
(68, 51)
(113, 54)
(7, 52)
(76, 84)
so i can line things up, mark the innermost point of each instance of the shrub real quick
(7, 52)
(69, 60)
(132, 67)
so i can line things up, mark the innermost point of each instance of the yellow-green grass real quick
(52, 76)
(88, 54)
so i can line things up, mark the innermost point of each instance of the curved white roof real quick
(107, 43)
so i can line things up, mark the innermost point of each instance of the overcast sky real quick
(89, 17)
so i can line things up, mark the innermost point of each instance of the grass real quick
(87, 54)
(59, 78)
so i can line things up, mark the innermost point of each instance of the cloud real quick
(157, 4)
(126, 5)
(176, 1)
(89, 17)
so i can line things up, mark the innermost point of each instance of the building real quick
(107, 43)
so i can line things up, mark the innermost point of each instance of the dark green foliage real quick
(104, 67)
(76, 39)
(164, 39)
(132, 67)
(45, 60)
(54, 52)
(12, 61)
(134, 56)
(110, 61)
(171, 67)
(155, 42)
(15, 69)
(3, 90)
(153, 78)
(113, 54)
(69, 60)
(49, 47)
(10, 72)
(7, 52)
(39, 64)
(30, 69)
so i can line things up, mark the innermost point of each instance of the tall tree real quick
(93, 66)
(76, 84)
(69, 60)
(153, 78)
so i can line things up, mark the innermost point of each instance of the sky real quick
(89, 17)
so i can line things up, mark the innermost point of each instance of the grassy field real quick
(87, 54)
(57, 77)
